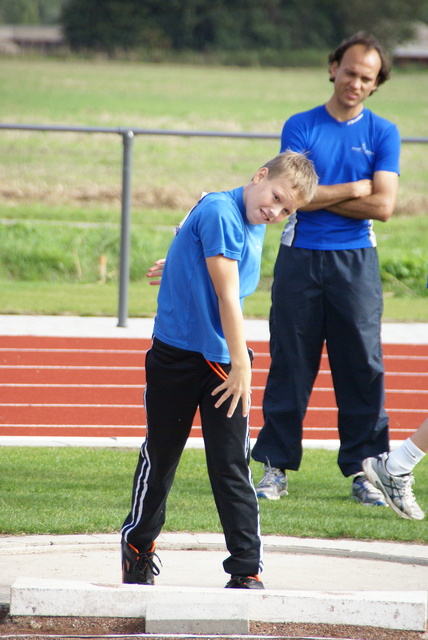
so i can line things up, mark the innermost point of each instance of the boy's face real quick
(268, 201)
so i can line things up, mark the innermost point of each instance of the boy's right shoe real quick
(244, 582)
(138, 567)
(396, 489)
(273, 485)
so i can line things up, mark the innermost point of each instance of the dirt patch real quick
(173, 196)
(167, 197)
(44, 628)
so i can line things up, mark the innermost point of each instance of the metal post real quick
(125, 239)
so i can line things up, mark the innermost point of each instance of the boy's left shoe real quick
(244, 582)
(138, 567)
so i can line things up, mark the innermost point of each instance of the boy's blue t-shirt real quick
(188, 313)
(341, 152)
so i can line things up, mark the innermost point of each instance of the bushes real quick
(405, 275)
(43, 252)
(70, 253)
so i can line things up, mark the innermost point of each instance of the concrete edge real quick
(256, 329)
(135, 443)
(389, 610)
(403, 553)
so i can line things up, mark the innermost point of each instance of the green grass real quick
(183, 98)
(82, 490)
(44, 298)
(114, 93)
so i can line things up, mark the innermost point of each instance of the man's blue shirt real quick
(341, 152)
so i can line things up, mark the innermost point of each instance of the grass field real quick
(60, 192)
(90, 491)
(172, 170)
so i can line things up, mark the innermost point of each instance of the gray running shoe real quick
(396, 489)
(273, 485)
(365, 493)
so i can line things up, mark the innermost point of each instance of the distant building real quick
(18, 38)
(414, 51)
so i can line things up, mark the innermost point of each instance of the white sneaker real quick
(273, 485)
(396, 489)
(365, 493)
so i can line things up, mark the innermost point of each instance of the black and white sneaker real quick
(244, 582)
(139, 567)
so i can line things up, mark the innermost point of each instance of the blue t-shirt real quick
(188, 313)
(341, 152)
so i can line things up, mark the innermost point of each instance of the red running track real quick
(93, 387)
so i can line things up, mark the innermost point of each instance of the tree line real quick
(276, 26)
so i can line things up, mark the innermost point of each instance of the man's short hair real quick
(298, 170)
(370, 42)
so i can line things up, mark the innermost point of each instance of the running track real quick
(93, 387)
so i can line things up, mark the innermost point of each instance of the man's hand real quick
(362, 188)
(362, 200)
(329, 195)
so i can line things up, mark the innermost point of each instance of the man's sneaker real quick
(273, 485)
(244, 582)
(396, 489)
(364, 492)
(138, 567)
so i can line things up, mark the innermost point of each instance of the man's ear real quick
(260, 175)
(333, 70)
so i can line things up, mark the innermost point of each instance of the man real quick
(326, 285)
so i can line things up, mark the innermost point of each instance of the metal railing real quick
(128, 134)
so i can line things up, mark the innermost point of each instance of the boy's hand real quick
(238, 386)
(155, 271)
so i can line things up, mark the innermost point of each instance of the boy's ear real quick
(260, 174)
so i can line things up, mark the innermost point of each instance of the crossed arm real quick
(362, 200)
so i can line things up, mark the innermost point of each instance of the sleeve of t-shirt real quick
(293, 135)
(388, 150)
(220, 230)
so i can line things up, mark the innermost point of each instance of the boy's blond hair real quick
(298, 170)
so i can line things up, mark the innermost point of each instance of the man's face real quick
(269, 201)
(355, 78)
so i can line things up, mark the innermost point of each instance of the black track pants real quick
(178, 383)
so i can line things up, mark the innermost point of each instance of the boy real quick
(199, 359)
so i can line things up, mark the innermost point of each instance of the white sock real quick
(403, 459)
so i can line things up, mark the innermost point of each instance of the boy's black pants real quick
(178, 382)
